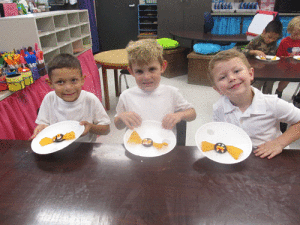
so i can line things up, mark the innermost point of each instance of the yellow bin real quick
(15, 82)
(27, 77)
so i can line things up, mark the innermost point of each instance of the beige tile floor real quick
(202, 97)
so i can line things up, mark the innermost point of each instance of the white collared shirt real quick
(262, 118)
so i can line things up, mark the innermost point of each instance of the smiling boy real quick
(69, 102)
(242, 105)
(150, 100)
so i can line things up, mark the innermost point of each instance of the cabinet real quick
(55, 32)
(181, 15)
(147, 20)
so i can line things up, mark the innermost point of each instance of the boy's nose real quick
(231, 76)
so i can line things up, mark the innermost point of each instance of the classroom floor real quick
(202, 97)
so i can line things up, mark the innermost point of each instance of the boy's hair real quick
(293, 24)
(144, 52)
(274, 26)
(225, 56)
(63, 60)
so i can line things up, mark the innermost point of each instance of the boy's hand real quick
(170, 120)
(131, 119)
(259, 53)
(270, 149)
(37, 130)
(87, 127)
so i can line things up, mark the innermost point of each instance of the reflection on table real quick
(105, 184)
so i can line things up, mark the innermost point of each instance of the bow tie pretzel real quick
(233, 151)
(147, 142)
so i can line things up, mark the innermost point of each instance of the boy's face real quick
(148, 76)
(232, 78)
(67, 83)
(269, 37)
(295, 34)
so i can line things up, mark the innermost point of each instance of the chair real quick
(181, 133)
(123, 73)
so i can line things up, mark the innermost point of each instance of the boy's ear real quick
(251, 73)
(164, 66)
(48, 81)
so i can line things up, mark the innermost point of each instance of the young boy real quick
(289, 47)
(150, 100)
(240, 104)
(69, 102)
(262, 45)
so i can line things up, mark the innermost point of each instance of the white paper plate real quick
(227, 134)
(153, 130)
(268, 58)
(297, 57)
(50, 131)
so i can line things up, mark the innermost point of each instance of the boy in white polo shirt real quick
(150, 100)
(245, 106)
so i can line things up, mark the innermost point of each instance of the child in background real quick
(150, 100)
(247, 107)
(262, 45)
(69, 102)
(289, 47)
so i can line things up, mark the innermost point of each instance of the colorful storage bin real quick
(15, 82)
(3, 84)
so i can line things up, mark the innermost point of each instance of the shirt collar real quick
(258, 105)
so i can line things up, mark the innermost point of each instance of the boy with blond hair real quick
(289, 47)
(150, 100)
(247, 107)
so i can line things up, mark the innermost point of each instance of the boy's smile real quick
(148, 76)
(67, 83)
(232, 78)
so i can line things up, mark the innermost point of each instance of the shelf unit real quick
(55, 32)
(147, 20)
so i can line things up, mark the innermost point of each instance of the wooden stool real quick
(177, 62)
(197, 68)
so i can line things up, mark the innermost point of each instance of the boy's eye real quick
(139, 72)
(152, 69)
(60, 82)
(74, 80)
(236, 71)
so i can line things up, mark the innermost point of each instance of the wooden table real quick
(285, 69)
(113, 59)
(105, 184)
(207, 37)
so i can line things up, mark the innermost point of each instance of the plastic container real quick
(3, 84)
(15, 82)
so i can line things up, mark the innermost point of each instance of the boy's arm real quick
(95, 129)
(170, 120)
(275, 147)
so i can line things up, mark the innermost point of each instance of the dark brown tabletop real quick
(200, 36)
(285, 69)
(105, 184)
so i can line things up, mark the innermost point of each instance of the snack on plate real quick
(263, 58)
(274, 58)
(160, 146)
(206, 146)
(147, 142)
(46, 141)
(234, 151)
(69, 136)
(58, 138)
(221, 148)
(134, 138)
